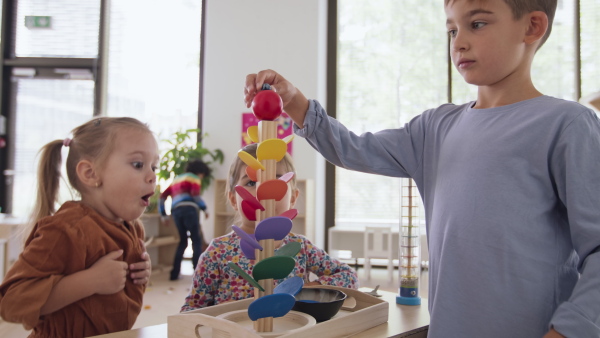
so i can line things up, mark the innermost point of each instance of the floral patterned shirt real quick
(215, 282)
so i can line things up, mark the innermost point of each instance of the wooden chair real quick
(378, 244)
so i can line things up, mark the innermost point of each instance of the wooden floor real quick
(164, 297)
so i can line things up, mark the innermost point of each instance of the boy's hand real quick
(109, 273)
(140, 271)
(295, 103)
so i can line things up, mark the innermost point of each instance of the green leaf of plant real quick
(181, 150)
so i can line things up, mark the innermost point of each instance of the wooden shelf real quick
(160, 241)
(303, 223)
(164, 240)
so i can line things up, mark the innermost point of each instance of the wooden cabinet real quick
(302, 224)
(162, 241)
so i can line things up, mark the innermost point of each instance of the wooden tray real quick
(360, 312)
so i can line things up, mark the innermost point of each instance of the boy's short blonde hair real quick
(522, 7)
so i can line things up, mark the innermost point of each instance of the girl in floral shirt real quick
(214, 282)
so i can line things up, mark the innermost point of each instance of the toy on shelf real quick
(409, 246)
(269, 303)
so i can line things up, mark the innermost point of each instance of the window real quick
(58, 78)
(388, 72)
(154, 63)
(46, 110)
(65, 28)
(392, 65)
(590, 46)
(47, 101)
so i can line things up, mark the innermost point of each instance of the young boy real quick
(185, 205)
(510, 182)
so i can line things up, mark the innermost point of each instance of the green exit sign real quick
(36, 21)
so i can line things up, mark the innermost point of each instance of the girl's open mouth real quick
(146, 199)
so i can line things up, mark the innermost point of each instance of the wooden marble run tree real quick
(269, 302)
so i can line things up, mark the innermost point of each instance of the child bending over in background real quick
(186, 204)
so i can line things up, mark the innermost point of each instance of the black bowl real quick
(320, 303)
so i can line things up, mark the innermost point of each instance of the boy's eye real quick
(251, 184)
(477, 24)
(154, 168)
(452, 33)
(138, 165)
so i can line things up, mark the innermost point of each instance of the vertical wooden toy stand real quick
(266, 130)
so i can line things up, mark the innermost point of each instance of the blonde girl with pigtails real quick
(84, 267)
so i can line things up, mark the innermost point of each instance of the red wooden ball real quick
(267, 105)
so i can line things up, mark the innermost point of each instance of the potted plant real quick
(180, 150)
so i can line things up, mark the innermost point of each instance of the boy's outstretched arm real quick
(295, 103)
(106, 276)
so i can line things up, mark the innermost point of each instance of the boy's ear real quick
(538, 25)
(87, 173)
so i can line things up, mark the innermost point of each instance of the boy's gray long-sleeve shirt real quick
(512, 203)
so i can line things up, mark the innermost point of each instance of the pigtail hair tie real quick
(66, 142)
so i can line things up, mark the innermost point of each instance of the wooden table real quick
(403, 321)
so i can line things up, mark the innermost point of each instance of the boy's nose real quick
(459, 43)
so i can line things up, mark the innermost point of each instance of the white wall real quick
(243, 37)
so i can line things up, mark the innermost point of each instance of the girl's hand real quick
(295, 103)
(312, 283)
(109, 273)
(140, 271)
(553, 334)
